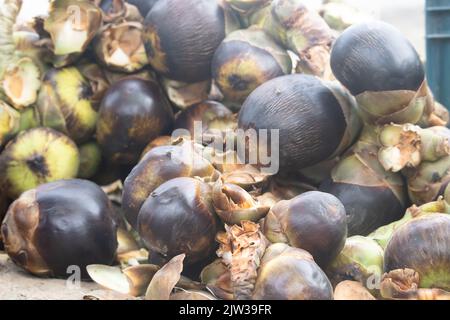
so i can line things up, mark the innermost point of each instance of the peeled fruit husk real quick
(120, 47)
(38, 238)
(409, 145)
(372, 197)
(246, 59)
(35, 157)
(360, 260)
(313, 221)
(64, 104)
(90, 160)
(9, 123)
(401, 106)
(261, 271)
(428, 181)
(132, 280)
(233, 204)
(159, 165)
(21, 67)
(72, 25)
(21, 82)
(184, 94)
(422, 244)
(403, 284)
(300, 30)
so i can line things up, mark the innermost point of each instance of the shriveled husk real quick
(400, 107)
(300, 30)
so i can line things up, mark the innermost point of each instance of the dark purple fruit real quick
(59, 225)
(133, 112)
(375, 56)
(181, 37)
(314, 221)
(178, 217)
(422, 244)
(310, 119)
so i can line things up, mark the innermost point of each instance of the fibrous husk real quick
(241, 249)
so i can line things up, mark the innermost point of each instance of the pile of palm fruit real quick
(101, 166)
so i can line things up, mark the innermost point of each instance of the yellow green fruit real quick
(35, 157)
(64, 104)
(90, 159)
(9, 122)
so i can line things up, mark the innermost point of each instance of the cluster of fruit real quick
(90, 94)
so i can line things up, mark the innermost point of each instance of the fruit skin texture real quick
(64, 104)
(35, 157)
(159, 165)
(181, 37)
(133, 112)
(177, 218)
(288, 273)
(308, 115)
(422, 244)
(58, 225)
(375, 56)
(314, 221)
